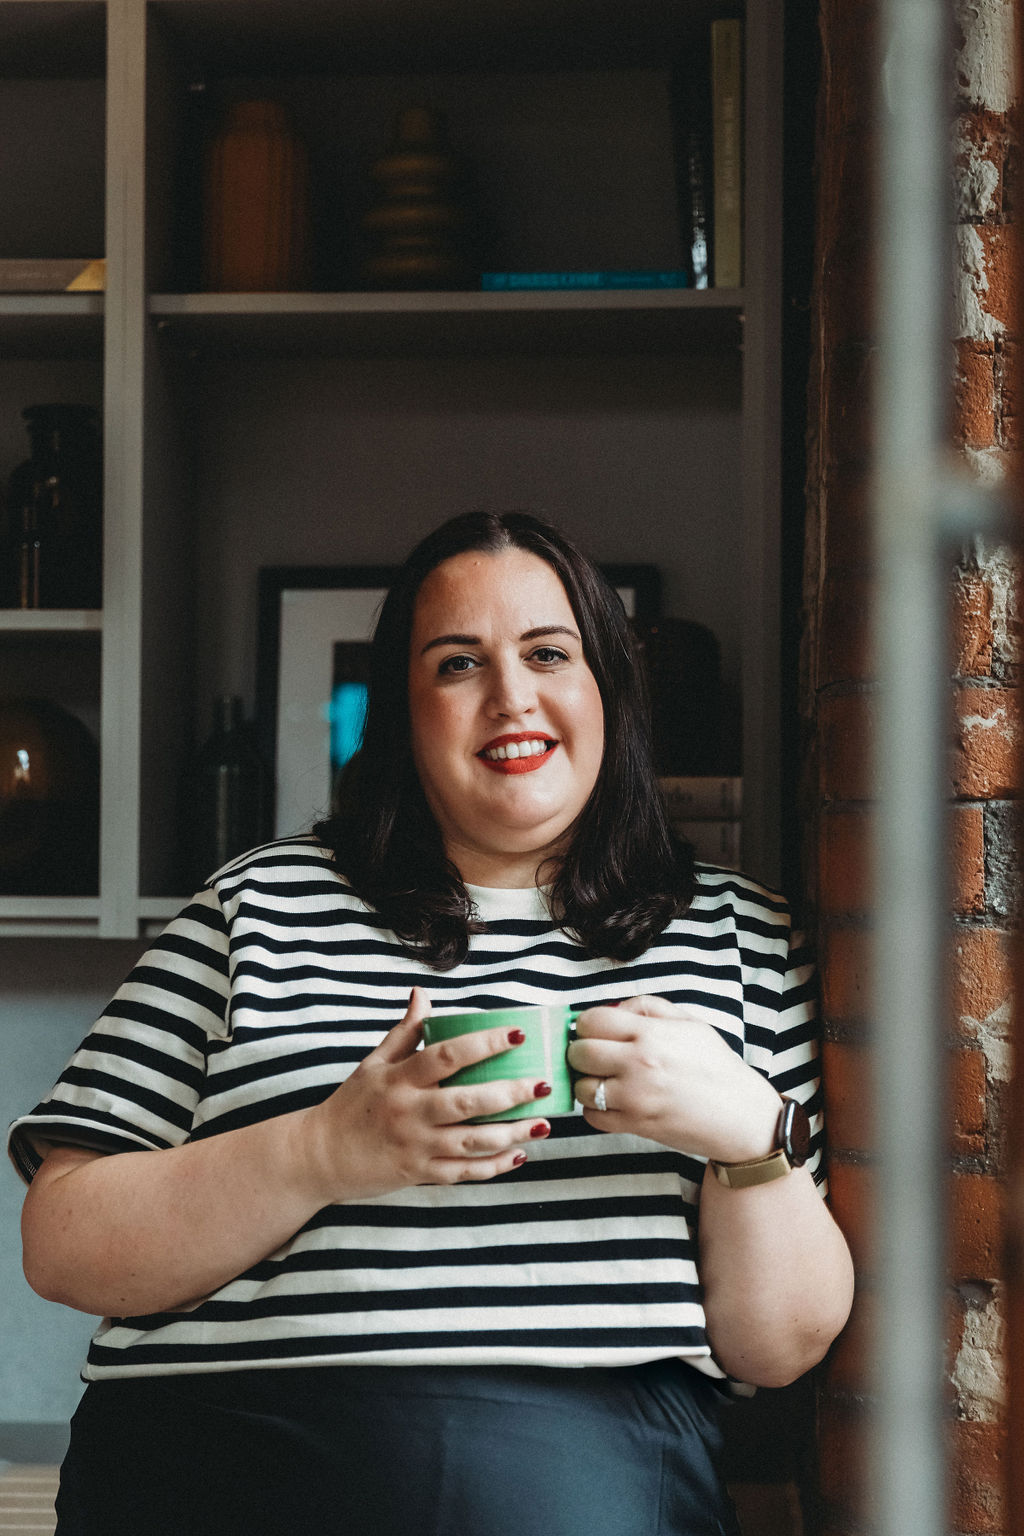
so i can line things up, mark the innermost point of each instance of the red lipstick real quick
(524, 764)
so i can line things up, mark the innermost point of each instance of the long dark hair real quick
(623, 876)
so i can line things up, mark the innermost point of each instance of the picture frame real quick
(313, 643)
(305, 613)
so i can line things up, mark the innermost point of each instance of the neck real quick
(503, 871)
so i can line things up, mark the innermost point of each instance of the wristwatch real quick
(792, 1145)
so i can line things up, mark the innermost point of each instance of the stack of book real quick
(706, 811)
(709, 154)
(57, 275)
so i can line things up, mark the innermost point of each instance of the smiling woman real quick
(506, 716)
(342, 1289)
(498, 626)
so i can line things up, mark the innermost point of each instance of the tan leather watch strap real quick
(759, 1170)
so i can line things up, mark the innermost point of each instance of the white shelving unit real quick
(337, 426)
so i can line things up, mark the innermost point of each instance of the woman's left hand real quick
(669, 1075)
(776, 1272)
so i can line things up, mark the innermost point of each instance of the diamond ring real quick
(600, 1101)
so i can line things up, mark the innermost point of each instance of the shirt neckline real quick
(510, 901)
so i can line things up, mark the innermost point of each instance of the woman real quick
(334, 1305)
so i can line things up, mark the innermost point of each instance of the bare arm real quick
(777, 1274)
(778, 1278)
(141, 1232)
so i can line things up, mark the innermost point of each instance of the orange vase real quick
(256, 203)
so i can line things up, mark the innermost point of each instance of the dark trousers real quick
(397, 1451)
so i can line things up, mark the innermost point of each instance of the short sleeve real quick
(795, 1047)
(135, 1081)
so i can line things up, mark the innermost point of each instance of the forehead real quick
(511, 589)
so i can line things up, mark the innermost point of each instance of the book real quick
(497, 282)
(53, 275)
(727, 152)
(691, 115)
(714, 842)
(710, 797)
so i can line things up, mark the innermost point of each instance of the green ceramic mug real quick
(548, 1030)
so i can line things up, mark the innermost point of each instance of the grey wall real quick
(51, 991)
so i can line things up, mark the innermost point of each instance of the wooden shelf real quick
(379, 36)
(49, 916)
(675, 321)
(60, 325)
(50, 621)
(60, 39)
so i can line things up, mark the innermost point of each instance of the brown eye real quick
(455, 664)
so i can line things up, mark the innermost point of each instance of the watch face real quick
(795, 1133)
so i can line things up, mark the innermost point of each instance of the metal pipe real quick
(914, 247)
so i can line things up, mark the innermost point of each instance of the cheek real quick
(434, 723)
(589, 714)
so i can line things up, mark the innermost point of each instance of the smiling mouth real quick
(517, 754)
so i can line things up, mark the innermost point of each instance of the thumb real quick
(403, 1038)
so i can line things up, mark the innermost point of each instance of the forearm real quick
(777, 1274)
(149, 1231)
(140, 1232)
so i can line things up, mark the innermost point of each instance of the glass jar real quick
(52, 549)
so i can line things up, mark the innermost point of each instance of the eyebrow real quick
(529, 634)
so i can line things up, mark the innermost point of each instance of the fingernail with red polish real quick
(542, 1090)
(519, 1160)
(516, 1037)
(539, 1130)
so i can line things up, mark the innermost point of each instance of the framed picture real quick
(639, 587)
(315, 626)
(313, 647)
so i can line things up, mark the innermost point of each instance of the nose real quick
(513, 694)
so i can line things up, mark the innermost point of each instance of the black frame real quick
(640, 586)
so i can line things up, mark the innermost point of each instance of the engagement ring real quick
(600, 1102)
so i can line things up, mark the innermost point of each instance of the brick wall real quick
(837, 700)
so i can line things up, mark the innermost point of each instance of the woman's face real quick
(506, 716)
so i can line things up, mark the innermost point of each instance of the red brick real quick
(848, 536)
(979, 1471)
(845, 846)
(845, 651)
(978, 1224)
(981, 978)
(852, 1202)
(986, 733)
(850, 1361)
(847, 1078)
(849, 400)
(845, 737)
(850, 304)
(971, 625)
(969, 1092)
(974, 395)
(846, 974)
(843, 1458)
(989, 135)
(967, 859)
(849, 30)
(1001, 261)
(1007, 378)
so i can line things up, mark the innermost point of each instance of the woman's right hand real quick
(391, 1125)
(148, 1230)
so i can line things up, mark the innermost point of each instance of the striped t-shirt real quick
(264, 993)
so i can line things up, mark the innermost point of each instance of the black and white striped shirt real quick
(267, 990)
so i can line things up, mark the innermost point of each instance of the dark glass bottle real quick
(52, 549)
(49, 801)
(226, 801)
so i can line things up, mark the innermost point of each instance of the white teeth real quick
(515, 749)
